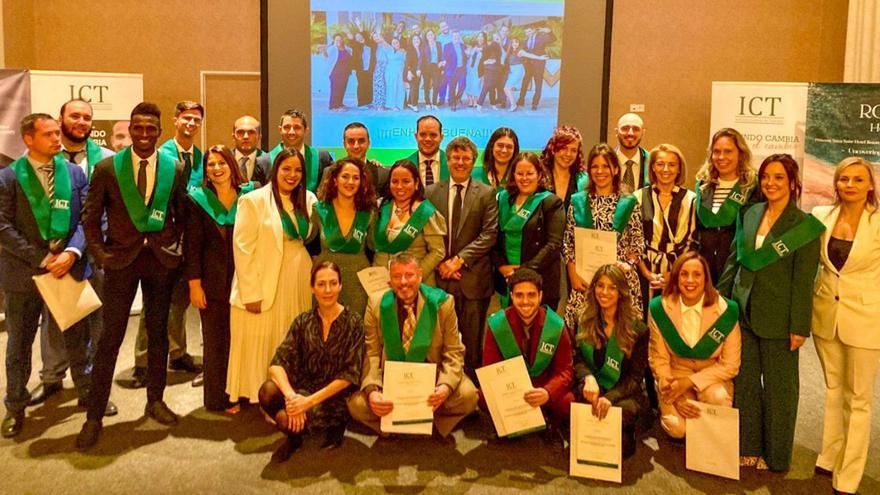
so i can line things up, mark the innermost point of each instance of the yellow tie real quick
(409, 326)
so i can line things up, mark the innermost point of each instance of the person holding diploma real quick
(316, 367)
(210, 265)
(268, 289)
(602, 206)
(344, 216)
(408, 222)
(695, 343)
(770, 273)
(537, 333)
(503, 145)
(530, 221)
(612, 353)
(416, 323)
(844, 322)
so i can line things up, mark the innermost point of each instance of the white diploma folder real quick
(596, 446)
(504, 384)
(374, 279)
(712, 441)
(592, 249)
(68, 300)
(408, 386)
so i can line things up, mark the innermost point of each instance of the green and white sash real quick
(806, 231)
(311, 157)
(145, 218)
(608, 373)
(93, 156)
(710, 341)
(197, 171)
(333, 235)
(728, 211)
(427, 320)
(583, 213)
(550, 334)
(52, 214)
(411, 229)
(210, 203)
(512, 222)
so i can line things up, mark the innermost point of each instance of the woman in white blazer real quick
(268, 289)
(846, 309)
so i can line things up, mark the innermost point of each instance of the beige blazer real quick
(722, 366)
(848, 301)
(429, 248)
(446, 348)
(257, 246)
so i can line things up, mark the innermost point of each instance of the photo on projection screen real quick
(476, 65)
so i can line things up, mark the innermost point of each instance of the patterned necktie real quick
(456, 215)
(409, 326)
(142, 179)
(49, 172)
(243, 164)
(628, 177)
(429, 173)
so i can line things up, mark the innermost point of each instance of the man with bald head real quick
(246, 135)
(633, 158)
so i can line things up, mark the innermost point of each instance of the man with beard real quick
(246, 134)
(293, 130)
(78, 148)
(633, 159)
(356, 141)
(119, 137)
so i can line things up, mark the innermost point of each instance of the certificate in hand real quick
(374, 279)
(713, 441)
(68, 299)
(593, 248)
(596, 447)
(408, 386)
(504, 385)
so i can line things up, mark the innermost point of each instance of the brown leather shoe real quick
(159, 411)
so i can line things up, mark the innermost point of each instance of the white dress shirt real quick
(251, 162)
(151, 172)
(636, 167)
(691, 320)
(452, 190)
(435, 166)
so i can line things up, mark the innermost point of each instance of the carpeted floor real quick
(221, 453)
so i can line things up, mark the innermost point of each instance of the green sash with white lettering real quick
(333, 235)
(726, 213)
(583, 213)
(805, 232)
(52, 214)
(427, 320)
(210, 203)
(145, 218)
(311, 156)
(93, 156)
(197, 171)
(708, 344)
(512, 222)
(608, 373)
(550, 333)
(407, 234)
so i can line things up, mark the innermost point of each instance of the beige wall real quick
(665, 53)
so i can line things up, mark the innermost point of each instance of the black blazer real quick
(541, 246)
(208, 253)
(123, 241)
(632, 369)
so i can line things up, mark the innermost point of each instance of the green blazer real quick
(444, 168)
(778, 299)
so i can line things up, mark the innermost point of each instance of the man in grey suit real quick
(471, 212)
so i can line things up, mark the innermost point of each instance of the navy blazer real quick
(23, 249)
(451, 58)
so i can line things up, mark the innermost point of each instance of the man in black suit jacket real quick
(38, 192)
(356, 141)
(293, 129)
(471, 213)
(536, 43)
(142, 193)
(246, 135)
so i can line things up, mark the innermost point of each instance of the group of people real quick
(402, 68)
(711, 295)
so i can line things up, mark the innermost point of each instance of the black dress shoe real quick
(159, 411)
(110, 410)
(185, 363)
(199, 380)
(12, 424)
(43, 392)
(553, 438)
(89, 434)
(333, 437)
(139, 378)
(822, 471)
(290, 445)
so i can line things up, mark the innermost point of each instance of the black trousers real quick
(432, 77)
(120, 287)
(534, 72)
(215, 333)
(414, 89)
(491, 77)
(365, 87)
(471, 314)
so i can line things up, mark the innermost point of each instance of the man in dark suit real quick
(429, 158)
(293, 129)
(142, 193)
(536, 44)
(356, 141)
(472, 214)
(246, 135)
(455, 69)
(41, 195)
(632, 157)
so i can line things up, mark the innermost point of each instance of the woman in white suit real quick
(846, 309)
(268, 289)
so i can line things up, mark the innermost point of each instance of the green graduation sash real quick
(145, 218)
(512, 222)
(609, 373)
(93, 156)
(550, 333)
(807, 230)
(208, 200)
(312, 161)
(710, 341)
(333, 235)
(444, 168)
(197, 172)
(583, 213)
(582, 179)
(52, 214)
(427, 320)
(726, 213)
(407, 234)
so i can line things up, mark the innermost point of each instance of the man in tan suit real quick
(407, 303)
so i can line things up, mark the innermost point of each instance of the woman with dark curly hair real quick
(563, 159)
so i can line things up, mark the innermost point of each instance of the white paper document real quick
(68, 300)
(713, 441)
(504, 385)
(408, 386)
(596, 446)
(374, 279)
(593, 248)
